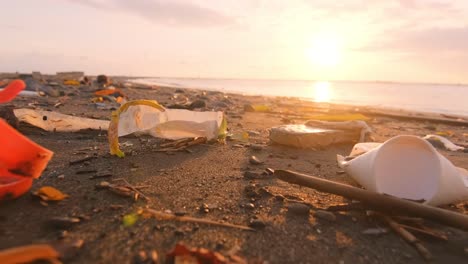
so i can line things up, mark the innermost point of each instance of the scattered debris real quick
(163, 123)
(28, 254)
(48, 193)
(166, 216)
(183, 254)
(380, 202)
(408, 237)
(417, 162)
(442, 143)
(129, 220)
(57, 122)
(78, 161)
(302, 136)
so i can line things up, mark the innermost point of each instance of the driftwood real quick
(379, 202)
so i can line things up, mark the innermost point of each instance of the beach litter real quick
(21, 160)
(149, 117)
(48, 193)
(186, 255)
(57, 122)
(316, 134)
(408, 167)
(51, 252)
(443, 143)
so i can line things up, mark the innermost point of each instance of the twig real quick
(73, 162)
(379, 202)
(133, 188)
(412, 240)
(426, 232)
(165, 216)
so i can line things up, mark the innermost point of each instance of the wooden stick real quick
(131, 187)
(426, 232)
(412, 240)
(165, 216)
(376, 201)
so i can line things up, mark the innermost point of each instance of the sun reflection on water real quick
(322, 92)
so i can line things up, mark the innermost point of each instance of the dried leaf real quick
(48, 193)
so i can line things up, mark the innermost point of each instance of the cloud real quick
(168, 12)
(432, 40)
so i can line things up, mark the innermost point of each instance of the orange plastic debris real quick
(12, 89)
(48, 193)
(111, 92)
(21, 160)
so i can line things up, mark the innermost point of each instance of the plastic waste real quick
(308, 137)
(439, 141)
(71, 82)
(345, 125)
(21, 160)
(257, 108)
(149, 117)
(409, 167)
(53, 121)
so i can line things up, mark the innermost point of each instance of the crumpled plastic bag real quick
(149, 117)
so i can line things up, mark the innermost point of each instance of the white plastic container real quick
(411, 168)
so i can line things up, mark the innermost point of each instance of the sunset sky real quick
(405, 40)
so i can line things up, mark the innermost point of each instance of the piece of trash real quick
(54, 121)
(239, 136)
(443, 143)
(11, 91)
(409, 167)
(48, 193)
(111, 91)
(256, 108)
(302, 136)
(353, 125)
(129, 220)
(182, 254)
(29, 254)
(447, 133)
(71, 82)
(21, 160)
(149, 117)
(342, 117)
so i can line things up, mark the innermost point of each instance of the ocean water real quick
(433, 98)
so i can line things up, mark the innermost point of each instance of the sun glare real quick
(325, 50)
(322, 92)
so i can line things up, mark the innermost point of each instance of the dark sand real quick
(212, 175)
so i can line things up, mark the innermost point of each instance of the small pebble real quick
(298, 209)
(269, 171)
(257, 224)
(325, 215)
(61, 176)
(250, 206)
(255, 161)
(257, 147)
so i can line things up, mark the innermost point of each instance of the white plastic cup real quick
(411, 168)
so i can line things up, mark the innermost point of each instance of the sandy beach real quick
(209, 182)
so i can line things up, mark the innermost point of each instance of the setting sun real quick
(325, 50)
(322, 92)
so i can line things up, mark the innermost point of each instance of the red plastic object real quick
(12, 89)
(21, 160)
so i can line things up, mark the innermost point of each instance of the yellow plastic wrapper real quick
(149, 117)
